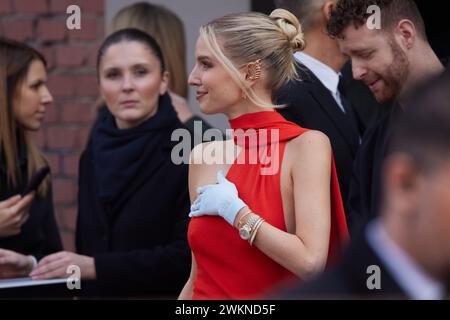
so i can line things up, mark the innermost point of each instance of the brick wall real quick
(72, 81)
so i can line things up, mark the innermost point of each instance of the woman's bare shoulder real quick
(311, 139)
(307, 147)
(206, 159)
(201, 154)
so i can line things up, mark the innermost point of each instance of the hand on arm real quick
(218, 199)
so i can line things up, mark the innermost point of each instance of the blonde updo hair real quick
(237, 39)
(291, 27)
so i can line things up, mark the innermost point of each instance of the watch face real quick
(244, 233)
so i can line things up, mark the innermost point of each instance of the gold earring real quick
(243, 95)
(253, 70)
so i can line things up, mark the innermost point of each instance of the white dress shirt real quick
(326, 75)
(409, 275)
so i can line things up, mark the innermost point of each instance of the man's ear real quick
(406, 31)
(165, 79)
(327, 8)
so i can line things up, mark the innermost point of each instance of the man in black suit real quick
(390, 53)
(317, 100)
(405, 253)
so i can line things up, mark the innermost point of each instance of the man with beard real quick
(391, 61)
(405, 252)
(318, 99)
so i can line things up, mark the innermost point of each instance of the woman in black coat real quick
(28, 229)
(133, 200)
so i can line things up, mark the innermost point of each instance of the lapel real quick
(343, 123)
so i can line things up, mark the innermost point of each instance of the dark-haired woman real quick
(133, 200)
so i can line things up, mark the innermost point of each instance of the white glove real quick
(218, 199)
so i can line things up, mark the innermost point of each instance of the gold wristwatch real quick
(246, 230)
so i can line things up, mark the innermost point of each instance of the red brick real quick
(5, 6)
(86, 6)
(93, 6)
(88, 31)
(70, 164)
(93, 56)
(83, 136)
(64, 191)
(70, 218)
(86, 85)
(61, 85)
(31, 6)
(60, 6)
(48, 53)
(51, 29)
(78, 113)
(101, 29)
(39, 138)
(51, 114)
(53, 160)
(59, 137)
(68, 240)
(18, 29)
(71, 56)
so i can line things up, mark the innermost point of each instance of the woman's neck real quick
(247, 106)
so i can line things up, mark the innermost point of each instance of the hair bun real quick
(290, 26)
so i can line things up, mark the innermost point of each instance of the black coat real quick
(139, 238)
(366, 184)
(365, 188)
(348, 279)
(39, 235)
(311, 105)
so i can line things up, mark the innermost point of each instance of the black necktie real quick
(343, 94)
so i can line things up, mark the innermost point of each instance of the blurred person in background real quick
(168, 30)
(28, 230)
(408, 247)
(318, 99)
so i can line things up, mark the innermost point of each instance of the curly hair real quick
(392, 11)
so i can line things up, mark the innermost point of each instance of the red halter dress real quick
(227, 266)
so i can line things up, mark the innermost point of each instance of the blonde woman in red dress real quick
(273, 213)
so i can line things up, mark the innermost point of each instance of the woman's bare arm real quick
(305, 252)
(186, 293)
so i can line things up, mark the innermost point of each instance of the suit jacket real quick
(311, 105)
(348, 279)
(365, 188)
